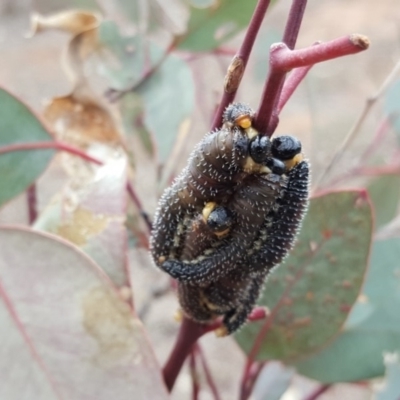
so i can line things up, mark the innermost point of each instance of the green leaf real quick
(19, 169)
(311, 295)
(132, 110)
(168, 98)
(210, 27)
(122, 58)
(372, 329)
(385, 193)
(166, 95)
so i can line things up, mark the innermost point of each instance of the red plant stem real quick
(61, 146)
(320, 390)
(267, 117)
(282, 59)
(194, 376)
(32, 203)
(239, 62)
(271, 92)
(54, 144)
(207, 372)
(138, 203)
(188, 335)
(247, 384)
(294, 22)
(291, 84)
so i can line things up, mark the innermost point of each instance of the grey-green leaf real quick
(372, 329)
(19, 169)
(210, 27)
(385, 193)
(311, 295)
(168, 98)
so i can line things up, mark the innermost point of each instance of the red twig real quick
(282, 59)
(188, 335)
(194, 375)
(294, 22)
(290, 85)
(320, 390)
(238, 65)
(61, 146)
(207, 372)
(54, 144)
(247, 384)
(32, 203)
(273, 86)
(138, 203)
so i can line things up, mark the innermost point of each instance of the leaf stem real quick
(139, 206)
(61, 146)
(54, 144)
(267, 116)
(238, 64)
(207, 372)
(291, 84)
(188, 335)
(320, 390)
(249, 380)
(32, 203)
(194, 375)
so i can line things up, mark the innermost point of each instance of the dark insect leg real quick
(285, 223)
(194, 304)
(211, 267)
(236, 317)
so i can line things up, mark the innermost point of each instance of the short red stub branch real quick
(282, 60)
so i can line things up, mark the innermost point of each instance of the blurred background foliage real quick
(136, 88)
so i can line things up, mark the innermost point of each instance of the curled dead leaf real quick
(71, 21)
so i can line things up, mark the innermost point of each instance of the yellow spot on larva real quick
(207, 210)
(221, 332)
(178, 315)
(244, 121)
(294, 161)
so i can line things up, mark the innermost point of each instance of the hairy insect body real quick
(214, 169)
(228, 288)
(229, 218)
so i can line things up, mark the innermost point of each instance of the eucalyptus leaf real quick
(19, 169)
(372, 329)
(168, 98)
(385, 193)
(311, 295)
(66, 333)
(210, 27)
